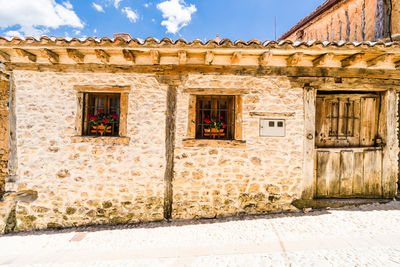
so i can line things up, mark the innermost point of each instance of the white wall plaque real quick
(272, 127)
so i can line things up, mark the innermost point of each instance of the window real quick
(101, 114)
(215, 117)
(341, 118)
(346, 119)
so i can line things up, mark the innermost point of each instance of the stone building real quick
(109, 131)
(349, 20)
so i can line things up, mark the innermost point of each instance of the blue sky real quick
(189, 19)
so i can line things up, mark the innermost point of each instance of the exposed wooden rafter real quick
(382, 59)
(23, 53)
(352, 60)
(209, 57)
(182, 57)
(75, 55)
(236, 57)
(128, 55)
(323, 59)
(294, 59)
(155, 56)
(50, 55)
(102, 55)
(4, 56)
(265, 58)
(397, 64)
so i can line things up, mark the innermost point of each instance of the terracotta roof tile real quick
(167, 42)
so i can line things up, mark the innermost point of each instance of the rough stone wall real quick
(4, 89)
(321, 27)
(61, 184)
(266, 175)
(85, 183)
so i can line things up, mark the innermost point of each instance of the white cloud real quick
(176, 13)
(130, 14)
(95, 30)
(97, 7)
(36, 17)
(68, 5)
(13, 34)
(146, 5)
(116, 3)
(77, 32)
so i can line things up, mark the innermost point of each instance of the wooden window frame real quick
(124, 93)
(237, 141)
(216, 110)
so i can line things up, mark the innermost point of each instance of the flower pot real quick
(214, 132)
(100, 129)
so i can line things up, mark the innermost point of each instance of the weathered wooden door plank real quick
(346, 172)
(368, 129)
(358, 174)
(372, 173)
(322, 169)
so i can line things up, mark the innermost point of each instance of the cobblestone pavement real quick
(359, 236)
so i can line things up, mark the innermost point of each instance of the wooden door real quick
(348, 151)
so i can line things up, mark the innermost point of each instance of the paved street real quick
(362, 236)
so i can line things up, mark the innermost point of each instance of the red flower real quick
(206, 120)
(221, 118)
(94, 118)
(114, 116)
(224, 126)
(89, 117)
(99, 111)
(105, 120)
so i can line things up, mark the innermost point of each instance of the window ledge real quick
(213, 143)
(105, 140)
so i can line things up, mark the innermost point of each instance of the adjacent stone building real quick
(110, 131)
(349, 20)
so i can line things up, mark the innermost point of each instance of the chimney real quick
(217, 39)
(124, 36)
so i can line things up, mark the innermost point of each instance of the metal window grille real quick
(342, 118)
(100, 106)
(215, 117)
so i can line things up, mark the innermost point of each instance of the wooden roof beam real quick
(128, 55)
(236, 57)
(294, 59)
(50, 55)
(323, 59)
(102, 55)
(382, 59)
(4, 56)
(397, 64)
(265, 58)
(155, 56)
(352, 60)
(182, 57)
(75, 55)
(23, 53)
(209, 58)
